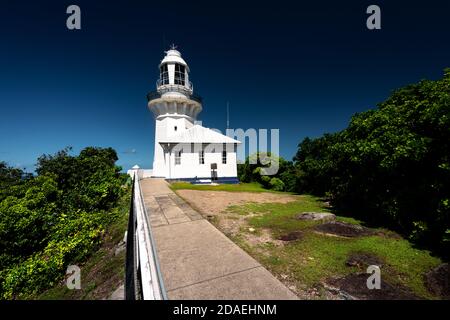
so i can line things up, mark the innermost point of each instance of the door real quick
(213, 171)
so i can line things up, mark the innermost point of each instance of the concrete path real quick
(118, 294)
(197, 260)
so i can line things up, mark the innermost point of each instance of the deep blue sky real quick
(304, 68)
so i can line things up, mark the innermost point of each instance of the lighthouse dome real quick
(173, 56)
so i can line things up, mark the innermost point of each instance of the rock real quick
(354, 286)
(291, 236)
(324, 216)
(341, 295)
(438, 281)
(363, 260)
(343, 229)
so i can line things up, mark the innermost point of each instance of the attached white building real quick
(185, 150)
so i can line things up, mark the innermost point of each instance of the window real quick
(179, 74)
(224, 157)
(201, 157)
(178, 157)
(164, 74)
(175, 128)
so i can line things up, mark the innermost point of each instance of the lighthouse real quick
(185, 150)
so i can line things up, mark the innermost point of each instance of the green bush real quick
(253, 170)
(276, 184)
(391, 166)
(55, 219)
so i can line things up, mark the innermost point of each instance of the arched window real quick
(179, 74)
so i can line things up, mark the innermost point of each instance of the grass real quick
(280, 217)
(240, 187)
(316, 256)
(103, 271)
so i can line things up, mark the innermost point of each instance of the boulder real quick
(363, 260)
(344, 229)
(354, 287)
(438, 281)
(323, 216)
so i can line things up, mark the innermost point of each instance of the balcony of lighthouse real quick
(174, 103)
(174, 91)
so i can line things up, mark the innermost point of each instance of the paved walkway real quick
(197, 260)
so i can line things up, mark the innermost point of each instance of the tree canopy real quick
(55, 218)
(389, 167)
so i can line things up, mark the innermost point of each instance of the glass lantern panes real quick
(180, 74)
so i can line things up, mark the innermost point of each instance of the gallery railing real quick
(157, 94)
(143, 278)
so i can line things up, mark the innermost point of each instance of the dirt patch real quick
(363, 260)
(354, 286)
(215, 202)
(292, 236)
(343, 229)
(263, 237)
(437, 281)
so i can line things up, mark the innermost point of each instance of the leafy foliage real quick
(10, 177)
(257, 168)
(56, 218)
(391, 165)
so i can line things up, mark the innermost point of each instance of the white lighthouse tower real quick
(185, 150)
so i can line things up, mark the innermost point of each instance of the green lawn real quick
(241, 187)
(316, 257)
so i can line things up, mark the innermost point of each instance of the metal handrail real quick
(143, 277)
(132, 292)
(189, 86)
(157, 265)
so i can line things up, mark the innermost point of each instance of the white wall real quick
(191, 168)
(164, 128)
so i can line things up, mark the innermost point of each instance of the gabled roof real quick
(199, 134)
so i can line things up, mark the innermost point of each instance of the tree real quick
(10, 177)
(89, 181)
(252, 170)
(391, 165)
(56, 218)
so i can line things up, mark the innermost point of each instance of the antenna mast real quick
(228, 115)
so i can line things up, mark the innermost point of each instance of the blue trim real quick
(221, 180)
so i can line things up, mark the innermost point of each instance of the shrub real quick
(258, 168)
(391, 165)
(56, 218)
(276, 184)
